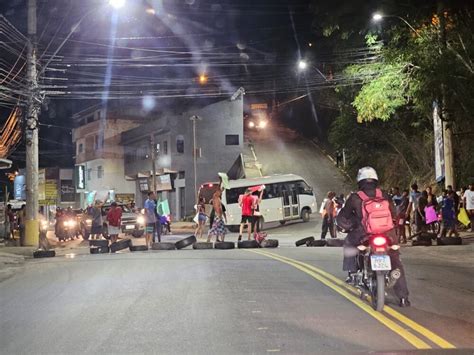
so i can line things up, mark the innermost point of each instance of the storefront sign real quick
(19, 187)
(80, 176)
(68, 192)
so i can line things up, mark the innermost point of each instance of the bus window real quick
(271, 191)
(303, 188)
(232, 195)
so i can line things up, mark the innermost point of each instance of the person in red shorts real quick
(247, 205)
(114, 217)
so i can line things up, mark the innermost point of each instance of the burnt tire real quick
(317, 243)
(44, 254)
(428, 237)
(269, 243)
(304, 241)
(248, 244)
(138, 248)
(99, 250)
(163, 246)
(186, 242)
(334, 242)
(421, 243)
(224, 245)
(119, 245)
(202, 245)
(98, 243)
(449, 241)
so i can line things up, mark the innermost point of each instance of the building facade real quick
(96, 136)
(218, 131)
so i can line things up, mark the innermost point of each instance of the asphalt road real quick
(228, 302)
(281, 150)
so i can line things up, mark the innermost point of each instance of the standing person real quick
(329, 212)
(157, 233)
(114, 219)
(9, 222)
(202, 217)
(257, 199)
(338, 158)
(468, 199)
(247, 205)
(412, 210)
(396, 197)
(401, 210)
(218, 223)
(150, 217)
(97, 223)
(431, 198)
(422, 203)
(21, 217)
(448, 213)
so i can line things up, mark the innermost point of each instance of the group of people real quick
(14, 221)
(420, 211)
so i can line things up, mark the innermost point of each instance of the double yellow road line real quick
(389, 317)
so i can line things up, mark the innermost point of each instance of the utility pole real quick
(447, 129)
(31, 133)
(153, 162)
(194, 119)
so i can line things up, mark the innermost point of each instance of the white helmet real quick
(367, 172)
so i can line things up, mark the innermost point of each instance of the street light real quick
(377, 17)
(302, 65)
(117, 3)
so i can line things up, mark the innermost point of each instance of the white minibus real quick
(285, 197)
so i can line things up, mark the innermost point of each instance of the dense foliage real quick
(420, 55)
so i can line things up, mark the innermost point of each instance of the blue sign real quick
(19, 188)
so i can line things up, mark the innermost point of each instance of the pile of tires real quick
(99, 246)
(186, 242)
(44, 253)
(311, 242)
(120, 245)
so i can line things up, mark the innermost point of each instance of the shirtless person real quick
(218, 225)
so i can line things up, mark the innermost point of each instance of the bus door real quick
(291, 207)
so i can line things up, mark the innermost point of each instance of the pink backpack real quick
(376, 215)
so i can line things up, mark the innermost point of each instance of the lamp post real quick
(303, 65)
(195, 118)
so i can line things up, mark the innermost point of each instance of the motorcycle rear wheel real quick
(378, 291)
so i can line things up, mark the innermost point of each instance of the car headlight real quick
(251, 124)
(141, 220)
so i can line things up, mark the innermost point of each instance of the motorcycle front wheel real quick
(378, 291)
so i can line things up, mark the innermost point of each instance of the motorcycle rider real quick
(350, 219)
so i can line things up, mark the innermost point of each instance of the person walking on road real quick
(150, 217)
(95, 213)
(9, 222)
(412, 211)
(114, 219)
(448, 213)
(202, 217)
(218, 223)
(256, 214)
(329, 212)
(401, 210)
(246, 203)
(468, 199)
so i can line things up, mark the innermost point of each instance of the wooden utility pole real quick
(153, 162)
(31, 133)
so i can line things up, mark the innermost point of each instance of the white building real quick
(97, 135)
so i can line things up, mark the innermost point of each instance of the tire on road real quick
(224, 245)
(421, 243)
(269, 243)
(98, 243)
(247, 244)
(378, 295)
(163, 246)
(138, 248)
(317, 243)
(138, 233)
(44, 253)
(449, 241)
(426, 237)
(305, 215)
(99, 250)
(304, 241)
(334, 242)
(119, 245)
(183, 243)
(203, 245)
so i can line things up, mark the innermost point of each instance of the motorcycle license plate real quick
(380, 262)
(129, 226)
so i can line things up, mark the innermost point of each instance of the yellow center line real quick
(389, 310)
(409, 337)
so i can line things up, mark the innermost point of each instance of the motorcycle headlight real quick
(88, 221)
(72, 223)
(66, 223)
(141, 220)
(44, 225)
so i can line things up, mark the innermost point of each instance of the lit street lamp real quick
(302, 65)
(377, 17)
(117, 3)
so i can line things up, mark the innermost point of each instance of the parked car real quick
(132, 223)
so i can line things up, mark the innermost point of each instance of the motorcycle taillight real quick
(379, 241)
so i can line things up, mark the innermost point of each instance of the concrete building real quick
(219, 142)
(98, 151)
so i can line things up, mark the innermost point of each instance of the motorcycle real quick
(375, 272)
(67, 228)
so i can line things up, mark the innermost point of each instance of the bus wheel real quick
(305, 215)
(282, 223)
